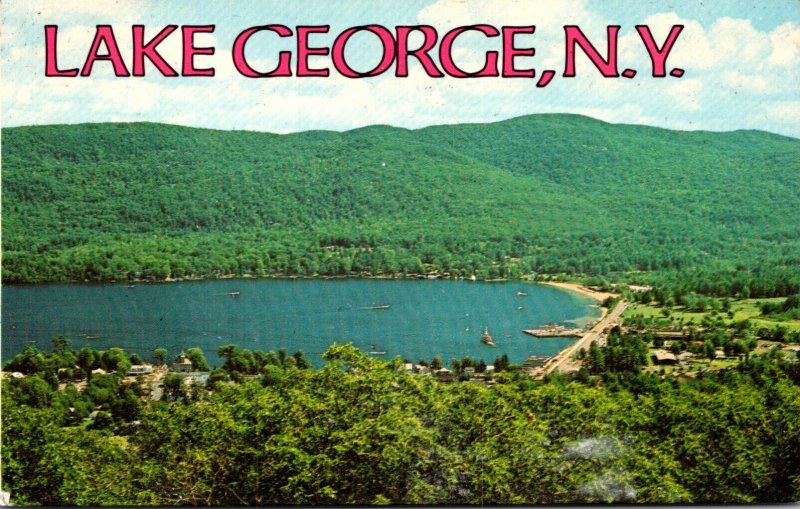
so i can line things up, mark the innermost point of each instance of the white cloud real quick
(736, 41)
(785, 41)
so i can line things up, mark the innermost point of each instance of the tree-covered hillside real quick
(545, 194)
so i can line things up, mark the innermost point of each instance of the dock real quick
(565, 356)
(553, 331)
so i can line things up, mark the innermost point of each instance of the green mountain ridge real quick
(543, 193)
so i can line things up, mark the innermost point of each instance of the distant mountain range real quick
(544, 193)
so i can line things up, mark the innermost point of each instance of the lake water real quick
(425, 318)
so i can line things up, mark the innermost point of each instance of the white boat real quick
(486, 338)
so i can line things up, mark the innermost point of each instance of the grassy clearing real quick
(747, 309)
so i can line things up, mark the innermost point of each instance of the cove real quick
(423, 318)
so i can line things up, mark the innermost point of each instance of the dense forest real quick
(539, 195)
(364, 431)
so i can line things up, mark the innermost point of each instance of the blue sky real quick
(742, 63)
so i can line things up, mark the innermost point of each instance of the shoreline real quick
(578, 288)
(575, 287)
(599, 296)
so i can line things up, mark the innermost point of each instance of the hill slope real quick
(542, 193)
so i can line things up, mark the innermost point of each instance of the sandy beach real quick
(575, 287)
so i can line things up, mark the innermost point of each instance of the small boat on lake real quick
(521, 294)
(374, 350)
(382, 306)
(234, 293)
(486, 338)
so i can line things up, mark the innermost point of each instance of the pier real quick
(553, 331)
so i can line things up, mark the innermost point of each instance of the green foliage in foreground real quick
(544, 194)
(361, 431)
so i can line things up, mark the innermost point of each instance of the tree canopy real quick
(363, 431)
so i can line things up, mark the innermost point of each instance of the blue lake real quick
(424, 318)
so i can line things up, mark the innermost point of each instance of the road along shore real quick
(565, 356)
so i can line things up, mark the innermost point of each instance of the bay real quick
(424, 318)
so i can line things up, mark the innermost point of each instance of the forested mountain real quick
(544, 193)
